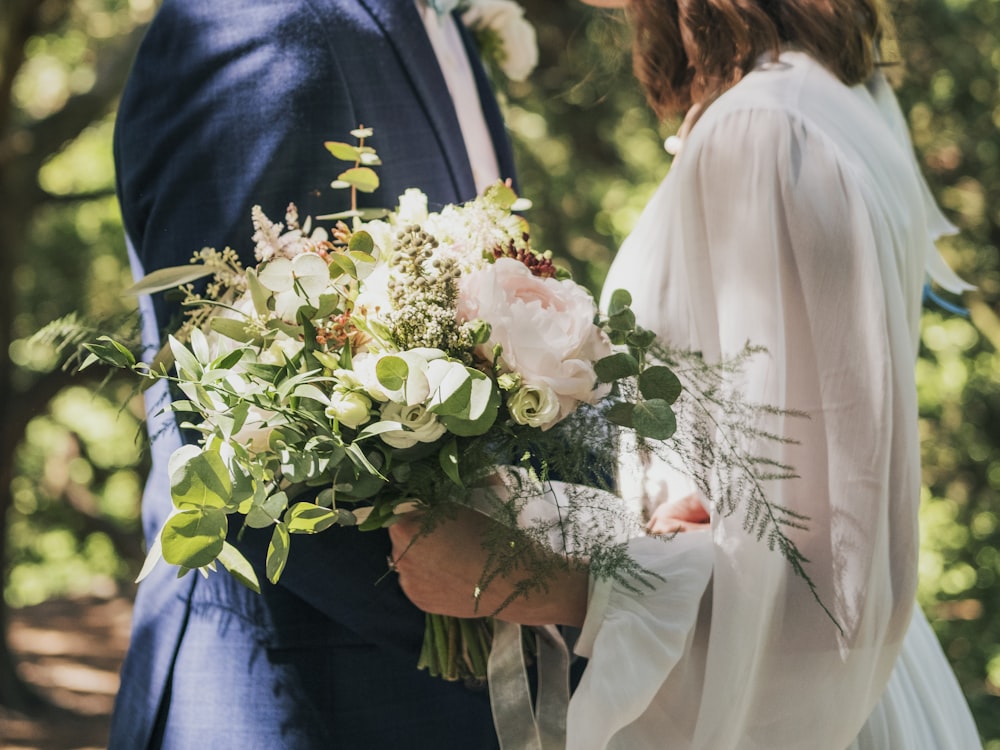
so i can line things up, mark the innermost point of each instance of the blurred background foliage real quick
(590, 154)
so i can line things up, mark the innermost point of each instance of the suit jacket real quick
(228, 105)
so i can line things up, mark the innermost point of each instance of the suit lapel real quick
(404, 29)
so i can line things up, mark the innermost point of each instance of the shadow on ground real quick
(70, 651)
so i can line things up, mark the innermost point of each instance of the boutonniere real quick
(505, 37)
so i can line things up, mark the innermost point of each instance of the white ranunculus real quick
(351, 409)
(424, 426)
(535, 406)
(544, 326)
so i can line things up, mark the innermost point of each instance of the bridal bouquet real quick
(389, 365)
(380, 367)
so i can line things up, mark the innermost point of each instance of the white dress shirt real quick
(454, 62)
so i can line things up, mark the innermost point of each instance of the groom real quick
(228, 105)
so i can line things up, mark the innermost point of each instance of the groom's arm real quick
(229, 105)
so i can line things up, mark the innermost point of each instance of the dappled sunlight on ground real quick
(70, 651)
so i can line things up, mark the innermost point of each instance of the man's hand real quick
(441, 572)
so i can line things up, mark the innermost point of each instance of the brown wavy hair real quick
(687, 51)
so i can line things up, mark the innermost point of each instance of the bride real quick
(795, 218)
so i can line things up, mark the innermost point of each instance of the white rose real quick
(505, 18)
(535, 406)
(424, 426)
(351, 409)
(544, 326)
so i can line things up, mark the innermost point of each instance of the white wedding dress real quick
(795, 219)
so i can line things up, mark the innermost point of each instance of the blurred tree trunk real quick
(25, 145)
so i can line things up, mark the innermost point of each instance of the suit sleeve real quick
(228, 106)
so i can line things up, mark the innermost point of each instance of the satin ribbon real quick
(519, 725)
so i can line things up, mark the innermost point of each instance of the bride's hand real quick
(440, 572)
(685, 514)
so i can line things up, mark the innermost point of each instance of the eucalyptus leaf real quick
(361, 242)
(277, 553)
(343, 264)
(392, 372)
(309, 518)
(194, 538)
(654, 419)
(621, 414)
(202, 482)
(343, 151)
(267, 513)
(362, 178)
(615, 367)
(622, 321)
(620, 300)
(239, 567)
(154, 555)
(660, 382)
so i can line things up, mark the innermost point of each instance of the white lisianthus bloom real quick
(544, 326)
(351, 409)
(535, 406)
(281, 351)
(256, 430)
(412, 208)
(424, 426)
(372, 302)
(518, 53)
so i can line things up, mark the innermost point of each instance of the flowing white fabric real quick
(794, 219)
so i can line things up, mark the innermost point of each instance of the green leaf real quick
(343, 264)
(361, 242)
(109, 351)
(640, 338)
(343, 151)
(392, 372)
(233, 329)
(448, 458)
(168, 278)
(268, 512)
(484, 404)
(194, 538)
(660, 382)
(362, 132)
(365, 214)
(377, 428)
(277, 553)
(622, 321)
(258, 294)
(154, 555)
(202, 482)
(654, 419)
(185, 360)
(309, 518)
(620, 300)
(239, 567)
(615, 367)
(621, 414)
(363, 178)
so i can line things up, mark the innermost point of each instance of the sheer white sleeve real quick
(771, 230)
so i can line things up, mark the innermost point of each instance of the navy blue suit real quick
(228, 105)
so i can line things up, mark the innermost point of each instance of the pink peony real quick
(545, 327)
